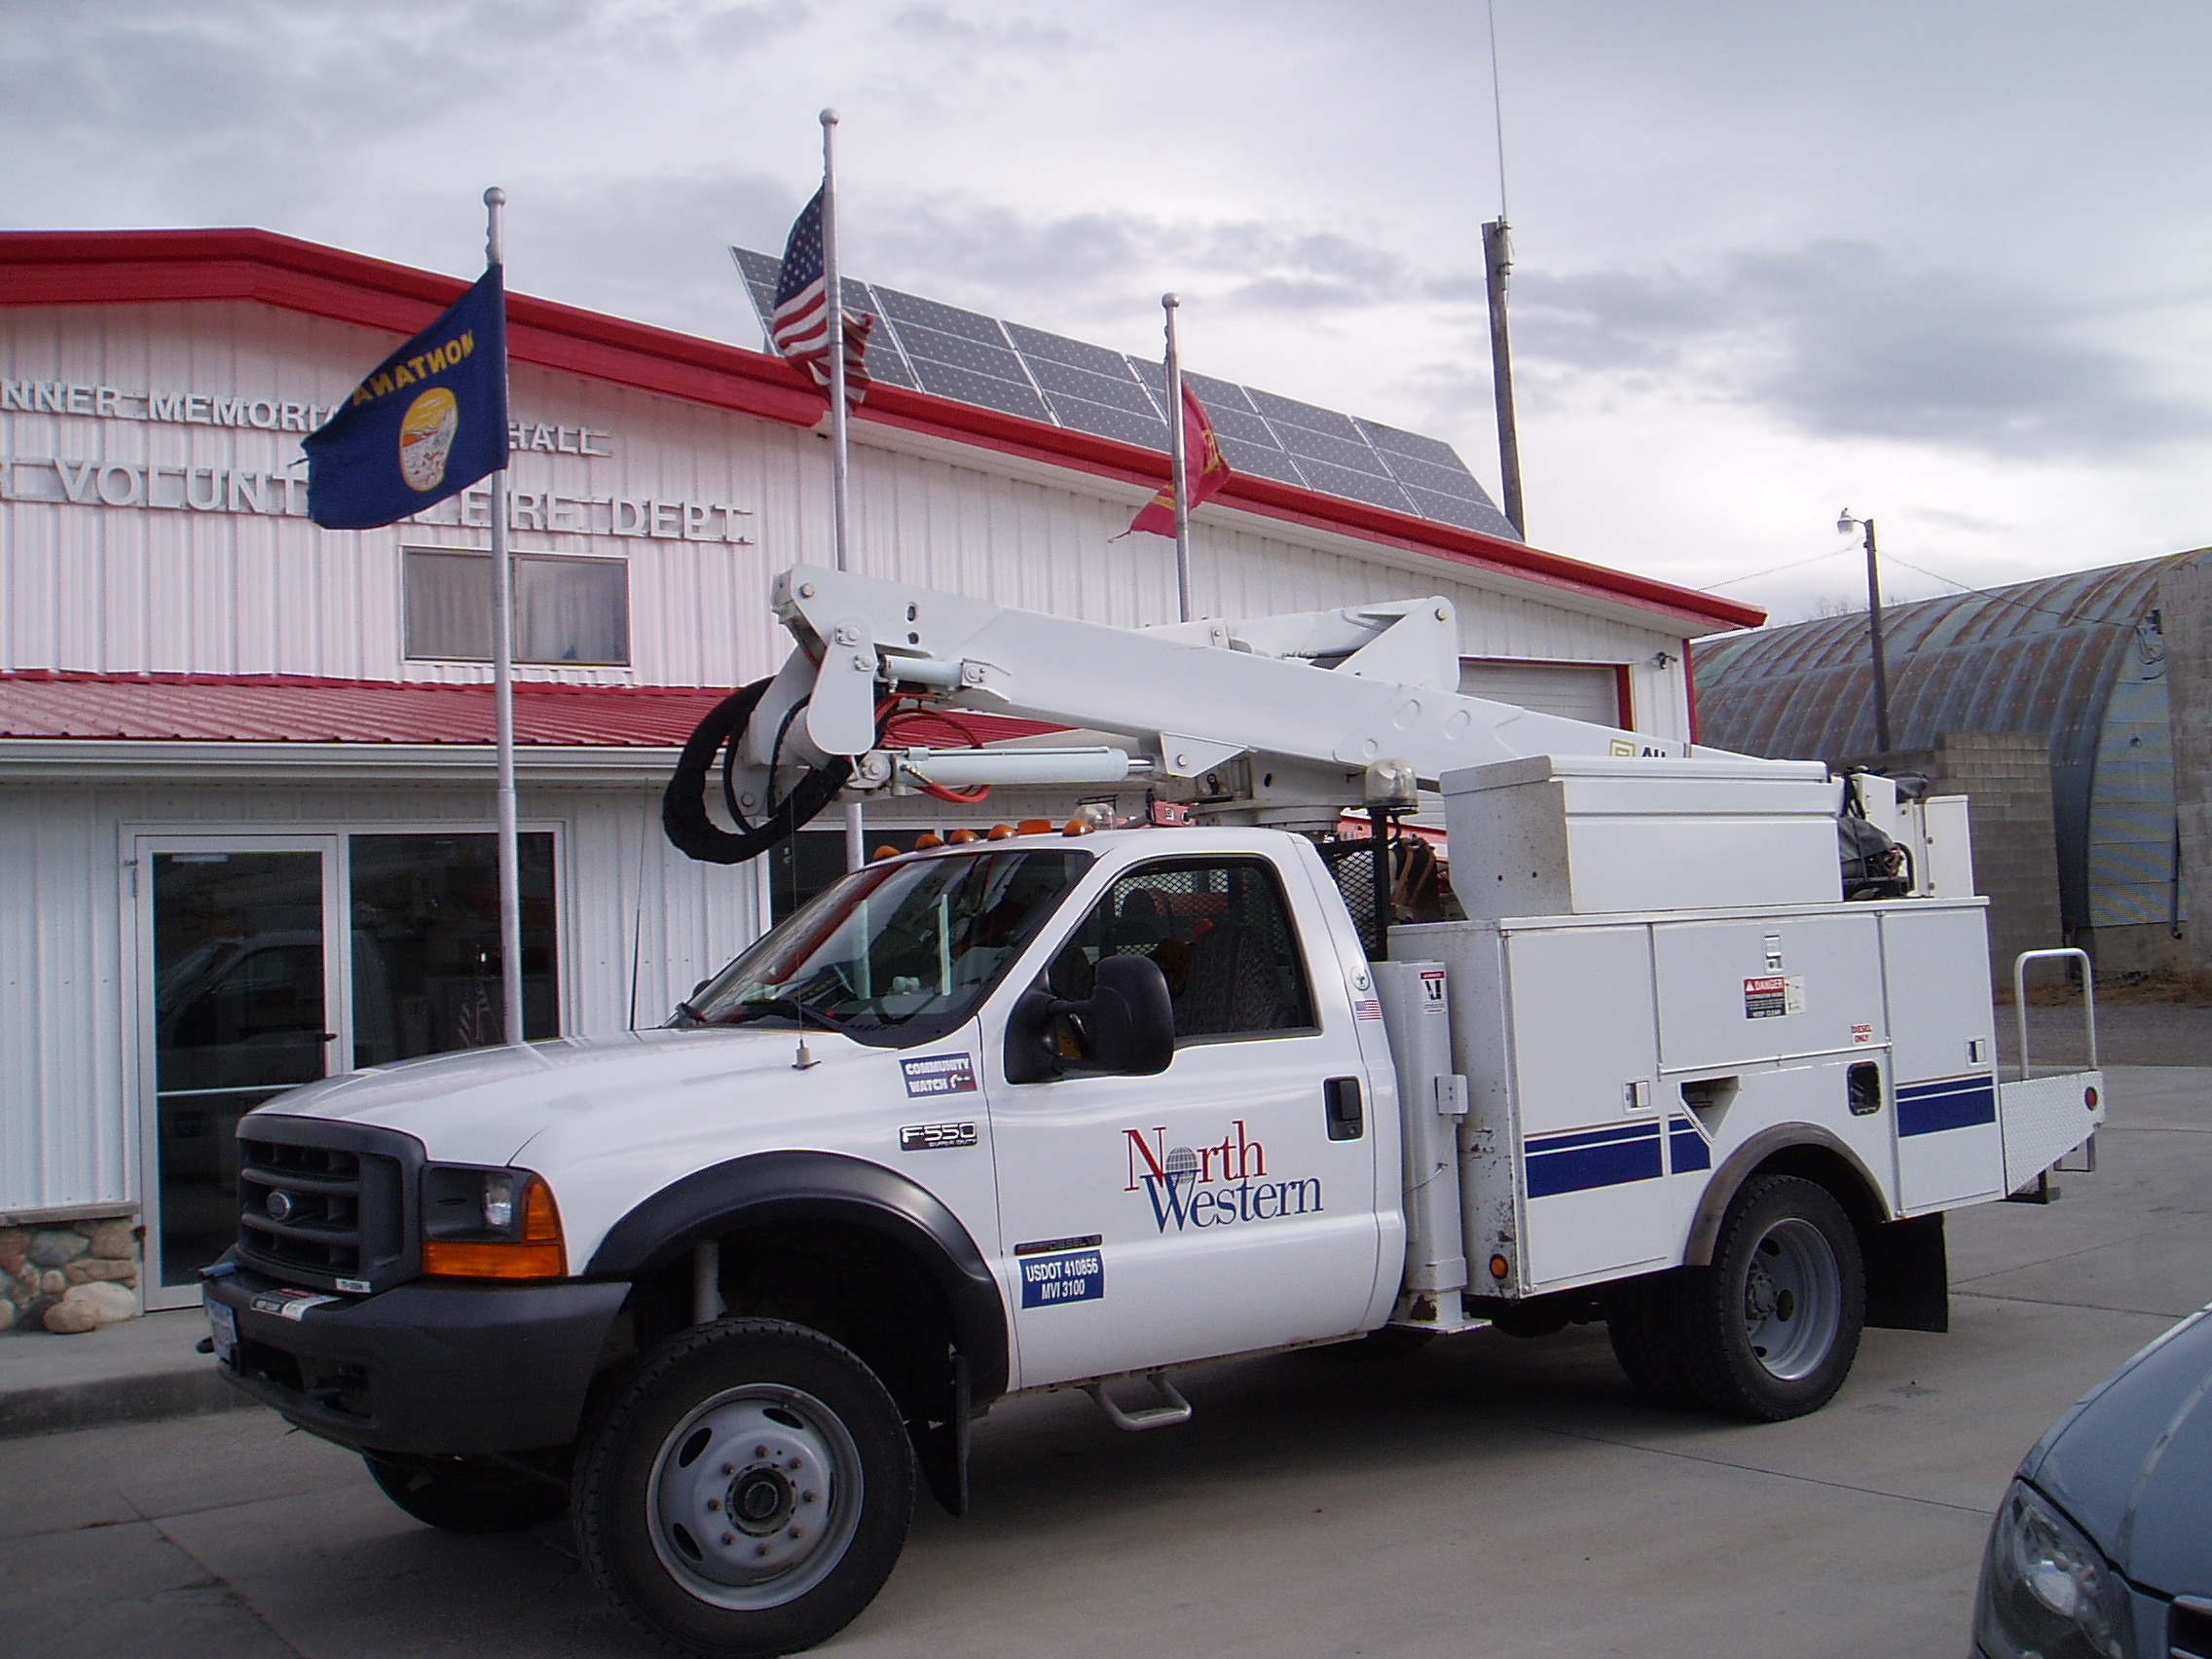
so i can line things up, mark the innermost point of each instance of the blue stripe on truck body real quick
(1955, 1103)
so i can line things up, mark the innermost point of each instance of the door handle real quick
(1339, 1097)
(329, 1036)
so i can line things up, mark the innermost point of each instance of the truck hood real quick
(484, 1105)
(2129, 1462)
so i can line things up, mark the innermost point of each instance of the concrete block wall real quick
(2005, 778)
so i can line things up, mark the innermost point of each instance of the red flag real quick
(1201, 465)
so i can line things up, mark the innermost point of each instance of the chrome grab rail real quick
(2020, 998)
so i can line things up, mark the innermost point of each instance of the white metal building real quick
(245, 810)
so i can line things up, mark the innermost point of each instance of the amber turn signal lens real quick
(998, 832)
(1035, 826)
(1500, 1267)
(961, 837)
(539, 1253)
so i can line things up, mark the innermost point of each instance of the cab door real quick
(1224, 1204)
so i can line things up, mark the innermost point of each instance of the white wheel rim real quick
(1793, 1299)
(754, 1496)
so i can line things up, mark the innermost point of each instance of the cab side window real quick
(1220, 933)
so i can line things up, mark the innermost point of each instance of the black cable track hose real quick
(684, 805)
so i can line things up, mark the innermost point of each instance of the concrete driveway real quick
(1485, 1497)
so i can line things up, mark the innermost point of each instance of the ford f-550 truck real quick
(1076, 1108)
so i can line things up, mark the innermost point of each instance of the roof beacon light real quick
(1391, 783)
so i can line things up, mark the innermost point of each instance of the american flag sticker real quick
(1367, 1008)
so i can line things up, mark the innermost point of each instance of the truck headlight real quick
(2045, 1593)
(490, 1224)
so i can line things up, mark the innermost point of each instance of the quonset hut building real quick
(2072, 710)
(246, 764)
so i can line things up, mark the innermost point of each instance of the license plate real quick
(223, 1323)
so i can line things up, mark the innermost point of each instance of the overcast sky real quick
(1948, 265)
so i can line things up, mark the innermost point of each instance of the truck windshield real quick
(896, 954)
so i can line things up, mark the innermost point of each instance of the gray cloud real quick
(1842, 341)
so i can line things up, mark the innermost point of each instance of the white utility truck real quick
(1070, 1110)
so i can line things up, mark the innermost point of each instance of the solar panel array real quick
(973, 359)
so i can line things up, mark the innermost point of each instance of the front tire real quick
(458, 1497)
(747, 1491)
(1770, 1329)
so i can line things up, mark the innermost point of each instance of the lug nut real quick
(729, 1537)
(729, 1468)
(713, 1505)
(806, 1497)
(760, 1549)
(760, 1451)
(799, 1532)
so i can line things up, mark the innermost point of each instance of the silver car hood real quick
(2132, 1460)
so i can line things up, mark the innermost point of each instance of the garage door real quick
(1579, 690)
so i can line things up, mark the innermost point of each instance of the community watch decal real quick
(1212, 1186)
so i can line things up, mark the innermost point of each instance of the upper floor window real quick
(566, 609)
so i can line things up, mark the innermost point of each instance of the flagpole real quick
(503, 697)
(833, 298)
(1178, 463)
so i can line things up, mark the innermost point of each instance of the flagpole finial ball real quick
(495, 196)
(1170, 301)
(828, 118)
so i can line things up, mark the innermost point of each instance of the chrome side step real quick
(1176, 1410)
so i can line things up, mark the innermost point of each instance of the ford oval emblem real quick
(279, 1206)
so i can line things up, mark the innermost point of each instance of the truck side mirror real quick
(1129, 1020)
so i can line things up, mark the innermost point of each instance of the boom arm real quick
(1310, 700)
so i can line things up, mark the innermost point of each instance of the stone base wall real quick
(68, 1275)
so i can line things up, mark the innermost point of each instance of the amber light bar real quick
(539, 1252)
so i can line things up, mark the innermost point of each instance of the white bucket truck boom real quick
(1075, 1109)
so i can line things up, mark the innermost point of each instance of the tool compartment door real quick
(1950, 1150)
(1589, 1132)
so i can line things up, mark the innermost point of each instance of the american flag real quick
(800, 325)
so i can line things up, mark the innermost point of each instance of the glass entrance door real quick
(243, 1006)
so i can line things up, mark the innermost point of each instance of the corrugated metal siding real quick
(130, 589)
(2131, 847)
(2047, 657)
(68, 943)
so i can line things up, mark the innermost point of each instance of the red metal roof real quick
(61, 268)
(189, 708)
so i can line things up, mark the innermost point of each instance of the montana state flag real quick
(427, 422)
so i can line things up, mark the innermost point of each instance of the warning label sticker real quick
(938, 1073)
(1432, 991)
(1079, 1276)
(1773, 996)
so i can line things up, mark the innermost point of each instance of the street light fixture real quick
(1845, 524)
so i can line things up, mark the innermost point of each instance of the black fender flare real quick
(823, 1186)
(1867, 1204)
(683, 814)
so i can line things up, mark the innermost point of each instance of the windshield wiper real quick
(793, 1008)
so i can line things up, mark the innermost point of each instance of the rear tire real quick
(747, 1491)
(1770, 1329)
(458, 1497)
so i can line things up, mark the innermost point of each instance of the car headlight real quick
(2047, 1593)
(490, 1224)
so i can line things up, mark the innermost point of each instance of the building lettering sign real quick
(283, 495)
(260, 413)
